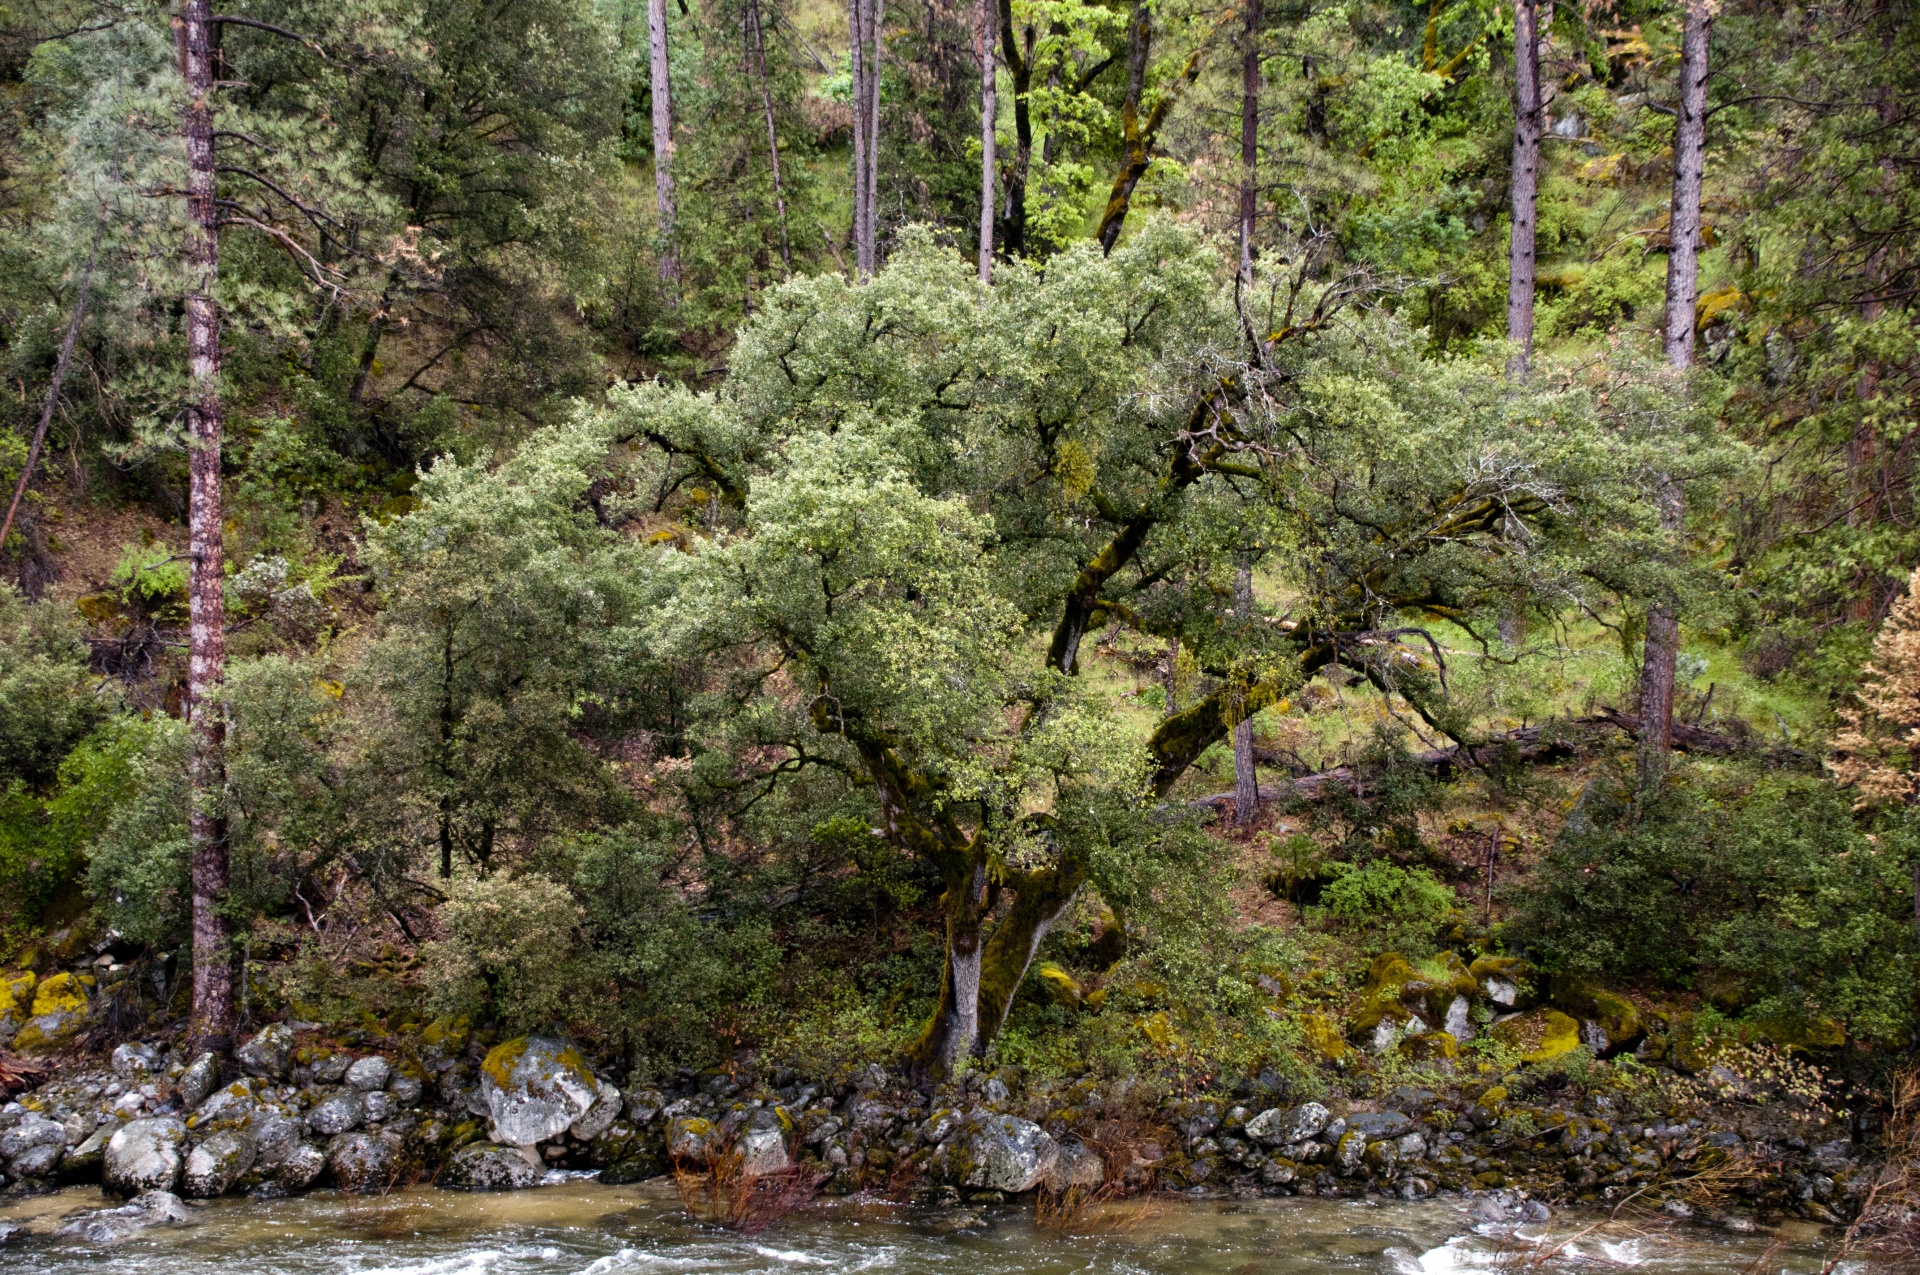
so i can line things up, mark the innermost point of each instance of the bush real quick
(1402, 905)
(1766, 883)
(506, 946)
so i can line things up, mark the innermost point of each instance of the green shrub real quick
(1402, 906)
(1764, 881)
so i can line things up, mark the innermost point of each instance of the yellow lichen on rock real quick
(1541, 1035)
(1323, 1037)
(16, 995)
(61, 994)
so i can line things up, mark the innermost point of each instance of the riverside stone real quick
(144, 1155)
(1011, 1154)
(600, 1117)
(200, 1079)
(363, 1161)
(488, 1166)
(337, 1114)
(269, 1053)
(369, 1074)
(534, 1088)
(109, 1226)
(216, 1164)
(1297, 1124)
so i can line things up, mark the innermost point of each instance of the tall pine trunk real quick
(1018, 52)
(989, 121)
(863, 29)
(662, 89)
(212, 1019)
(1249, 139)
(1529, 124)
(1246, 777)
(758, 36)
(1662, 649)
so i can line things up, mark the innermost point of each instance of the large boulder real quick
(216, 1164)
(1377, 1125)
(144, 1156)
(1079, 1170)
(1011, 1154)
(690, 1140)
(534, 1088)
(269, 1053)
(82, 1163)
(488, 1166)
(364, 1161)
(32, 1148)
(1297, 1124)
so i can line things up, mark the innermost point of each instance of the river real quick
(582, 1228)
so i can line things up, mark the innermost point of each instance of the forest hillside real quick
(1338, 547)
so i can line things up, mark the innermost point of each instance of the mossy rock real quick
(1802, 1034)
(1541, 1035)
(1493, 976)
(61, 994)
(16, 995)
(449, 1035)
(1323, 1037)
(1616, 1016)
(1389, 972)
(1430, 1047)
(1057, 986)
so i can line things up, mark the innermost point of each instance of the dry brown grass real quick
(1889, 1221)
(720, 1193)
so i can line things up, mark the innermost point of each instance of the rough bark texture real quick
(863, 28)
(1529, 123)
(1249, 138)
(759, 39)
(1662, 649)
(989, 120)
(212, 1020)
(1246, 778)
(663, 141)
(53, 391)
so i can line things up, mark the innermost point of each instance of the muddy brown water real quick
(583, 1228)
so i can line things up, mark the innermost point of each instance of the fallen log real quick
(1527, 746)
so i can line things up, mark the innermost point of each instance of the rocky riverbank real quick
(299, 1106)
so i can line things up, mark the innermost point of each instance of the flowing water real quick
(582, 1228)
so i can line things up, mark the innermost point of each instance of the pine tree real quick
(1877, 753)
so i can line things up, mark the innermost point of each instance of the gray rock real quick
(1298, 1124)
(643, 1105)
(1379, 1124)
(364, 1161)
(690, 1139)
(330, 1070)
(1458, 1022)
(1412, 1146)
(1501, 992)
(274, 1139)
(234, 1102)
(1278, 1172)
(144, 1155)
(369, 1074)
(202, 1077)
(1011, 1154)
(406, 1090)
(600, 1116)
(379, 1106)
(269, 1053)
(37, 1162)
(302, 1167)
(337, 1115)
(1348, 1154)
(216, 1164)
(109, 1226)
(84, 1161)
(31, 1134)
(534, 1088)
(487, 1166)
(133, 1060)
(762, 1148)
(1079, 1168)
